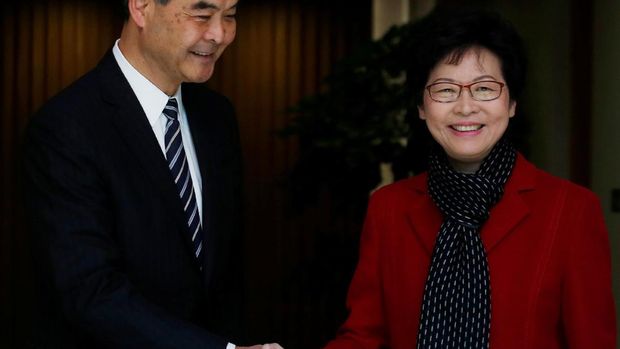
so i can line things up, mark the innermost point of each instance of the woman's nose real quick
(466, 104)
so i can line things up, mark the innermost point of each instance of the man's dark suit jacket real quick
(112, 246)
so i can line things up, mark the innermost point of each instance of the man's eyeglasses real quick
(446, 92)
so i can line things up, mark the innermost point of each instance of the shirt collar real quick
(152, 99)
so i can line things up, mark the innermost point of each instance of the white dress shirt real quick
(153, 101)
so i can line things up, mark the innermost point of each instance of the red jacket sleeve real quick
(364, 328)
(587, 301)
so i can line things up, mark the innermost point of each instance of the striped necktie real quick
(179, 167)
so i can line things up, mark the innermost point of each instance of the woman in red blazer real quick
(482, 250)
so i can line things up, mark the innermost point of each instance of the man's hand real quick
(264, 346)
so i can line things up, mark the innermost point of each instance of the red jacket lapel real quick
(511, 209)
(425, 219)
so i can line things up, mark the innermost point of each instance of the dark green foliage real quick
(357, 122)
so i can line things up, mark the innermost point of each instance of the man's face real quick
(183, 39)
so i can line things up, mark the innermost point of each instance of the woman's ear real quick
(513, 108)
(421, 113)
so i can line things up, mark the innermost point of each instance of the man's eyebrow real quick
(205, 5)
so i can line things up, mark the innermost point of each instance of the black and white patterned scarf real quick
(456, 309)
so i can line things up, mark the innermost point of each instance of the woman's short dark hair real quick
(448, 34)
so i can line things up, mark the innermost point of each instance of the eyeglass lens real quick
(450, 92)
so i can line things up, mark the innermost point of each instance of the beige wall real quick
(386, 13)
(544, 26)
(606, 123)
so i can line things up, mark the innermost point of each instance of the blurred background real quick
(316, 87)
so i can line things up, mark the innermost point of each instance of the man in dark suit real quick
(132, 180)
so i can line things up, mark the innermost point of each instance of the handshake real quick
(264, 346)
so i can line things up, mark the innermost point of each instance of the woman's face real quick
(468, 129)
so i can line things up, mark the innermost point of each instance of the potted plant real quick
(357, 127)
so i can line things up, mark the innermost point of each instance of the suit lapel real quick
(133, 127)
(207, 150)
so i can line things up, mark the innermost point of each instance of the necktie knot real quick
(171, 110)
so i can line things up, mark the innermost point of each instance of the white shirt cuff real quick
(231, 346)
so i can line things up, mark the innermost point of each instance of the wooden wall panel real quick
(7, 136)
(283, 50)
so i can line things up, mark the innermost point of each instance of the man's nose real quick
(216, 30)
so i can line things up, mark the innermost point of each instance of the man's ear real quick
(421, 113)
(137, 11)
